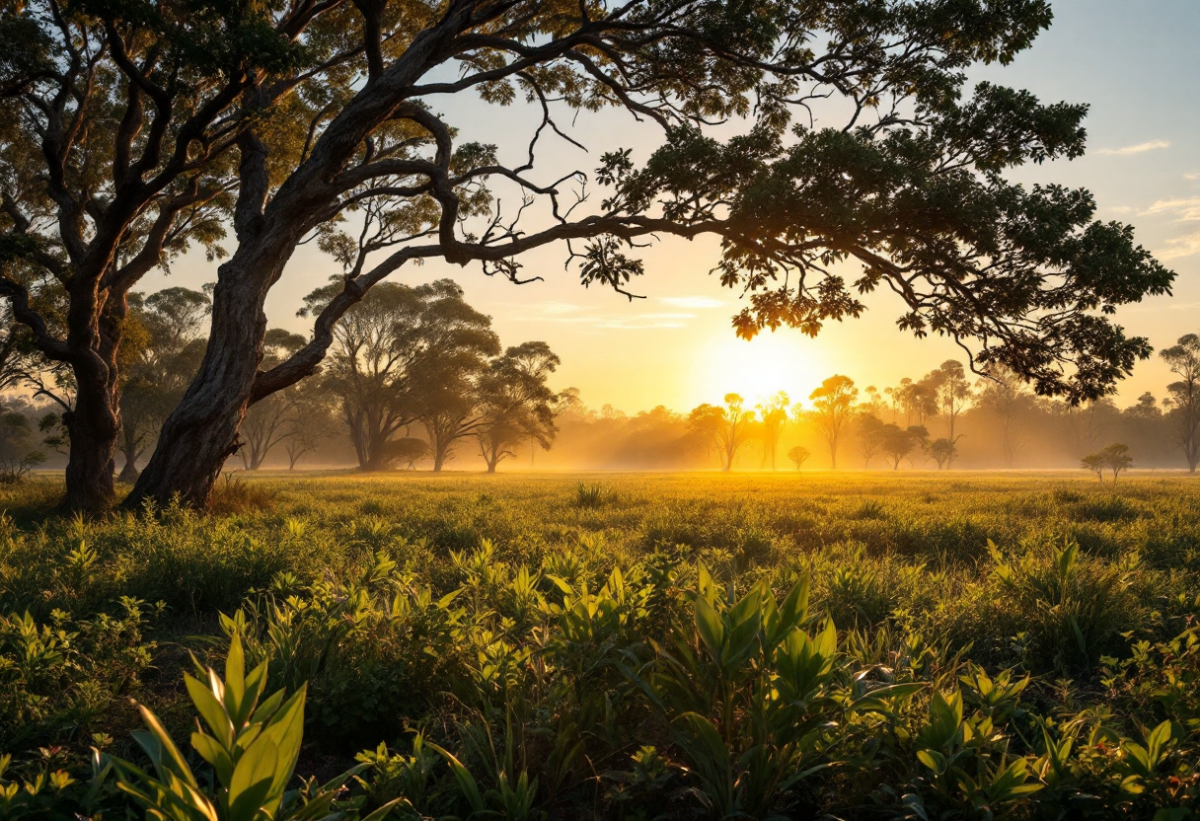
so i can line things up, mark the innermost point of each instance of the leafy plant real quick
(251, 742)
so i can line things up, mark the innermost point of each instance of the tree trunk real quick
(129, 473)
(131, 450)
(202, 432)
(93, 425)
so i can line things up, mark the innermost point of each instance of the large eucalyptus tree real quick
(850, 157)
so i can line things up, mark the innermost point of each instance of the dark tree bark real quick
(93, 425)
(202, 432)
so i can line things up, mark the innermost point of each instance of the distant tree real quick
(944, 451)
(311, 422)
(833, 404)
(406, 451)
(1184, 361)
(898, 443)
(918, 399)
(18, 450)
(952, 393)
(445, 381)
(873, 403)
(870, 436)
(1146, 407)
(799, 455)
(1003, 393)
(726, 429)
(893, 399)
(772, 418)
(515, 403)
(1114, 458)
(402, 355)
(1088, 422)
(267, 422)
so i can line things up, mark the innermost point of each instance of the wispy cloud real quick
(1183, 209)
(1180, 247)
(1120, 209)
(1140, 148)
(693, 302)
(1193, 176)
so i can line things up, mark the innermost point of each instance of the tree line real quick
(132, 133)
(414, 372)
(948, 417)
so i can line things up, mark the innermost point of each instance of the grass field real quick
(857, 645)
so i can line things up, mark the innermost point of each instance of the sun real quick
(783, 361)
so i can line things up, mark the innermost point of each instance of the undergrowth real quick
(714, 647)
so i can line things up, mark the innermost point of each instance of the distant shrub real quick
(235, 495)
(593, 495)
(870, 509)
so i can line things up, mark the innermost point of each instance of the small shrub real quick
(235, 495)
(592, 496)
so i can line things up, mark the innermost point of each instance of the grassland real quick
(635, 646)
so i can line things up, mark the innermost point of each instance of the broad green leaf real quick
(710, 626)
(211, 710)
(250, 787)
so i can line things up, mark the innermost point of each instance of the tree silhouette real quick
(1114, 458)
(515, 403)
(725, 430)
(1184, 361)
(944, 451)
(898, 443)
(773, 417)
(799, 455)
(953, 393)
(407, 354)
(833, 404)
(1003, 393)
(870, 429)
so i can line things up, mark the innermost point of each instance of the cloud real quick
(1186, 209)
(1181, 247)
(694, 302)
(1140, 148)
(1194, 176)
(1120, 209)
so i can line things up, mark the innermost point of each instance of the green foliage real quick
(717, 648)
(593, 495)
(249, 739)
(1114, 458)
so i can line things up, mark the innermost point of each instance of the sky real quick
(1134, 63)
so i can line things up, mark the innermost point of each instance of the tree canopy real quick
(853, 159)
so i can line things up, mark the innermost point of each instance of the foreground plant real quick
(251, 742)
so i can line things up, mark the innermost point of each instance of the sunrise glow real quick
(772, 362)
